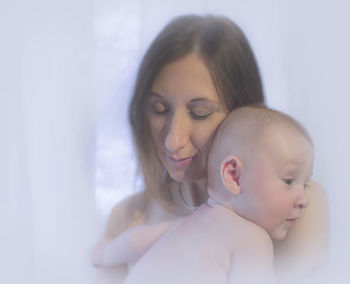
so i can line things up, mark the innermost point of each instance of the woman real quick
(196, 71)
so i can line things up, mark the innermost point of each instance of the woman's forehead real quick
(187, 76)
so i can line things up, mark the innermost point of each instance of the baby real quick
(258, 170)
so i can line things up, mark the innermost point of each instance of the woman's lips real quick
(179, 163)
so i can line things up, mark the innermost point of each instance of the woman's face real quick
(183, 113)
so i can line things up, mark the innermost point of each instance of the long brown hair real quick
(232, 65)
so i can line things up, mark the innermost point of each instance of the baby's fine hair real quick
(243, 127)
(258, 118)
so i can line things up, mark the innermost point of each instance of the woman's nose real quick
(302, 201)
(178, 133)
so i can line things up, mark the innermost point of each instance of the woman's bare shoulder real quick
(318, 196)
(306, 246)
(314, 225)
(125, 213)
(315, 221)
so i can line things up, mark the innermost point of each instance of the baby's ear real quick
(230, 171)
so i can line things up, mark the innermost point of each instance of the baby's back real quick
(196, 249)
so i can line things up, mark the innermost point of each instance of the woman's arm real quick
(128, 246)
(306, 247)
(135, 210)
(126, 214)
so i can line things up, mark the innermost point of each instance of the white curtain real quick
(66, 73)
(47, 141)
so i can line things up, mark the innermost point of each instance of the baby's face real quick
(274, 180)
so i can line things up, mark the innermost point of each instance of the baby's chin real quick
(278, 234)
(278, 238)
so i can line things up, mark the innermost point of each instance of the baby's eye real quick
(288, 181)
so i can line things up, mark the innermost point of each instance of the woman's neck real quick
(189, 196)
(194, 193)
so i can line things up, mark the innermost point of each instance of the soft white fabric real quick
(47, 209)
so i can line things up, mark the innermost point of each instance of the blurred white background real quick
(67, 70)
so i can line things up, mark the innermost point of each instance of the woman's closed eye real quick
(200, 116)
(159, 107)
(200, 113)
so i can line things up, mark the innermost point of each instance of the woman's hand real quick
(98, 252)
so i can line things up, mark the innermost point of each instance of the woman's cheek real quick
(205, 137)
(156, 125)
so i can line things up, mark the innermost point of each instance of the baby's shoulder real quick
(251, 237)
(244, 234)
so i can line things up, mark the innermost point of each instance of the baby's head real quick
(260, 165)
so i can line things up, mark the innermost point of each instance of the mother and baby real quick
(221, 204)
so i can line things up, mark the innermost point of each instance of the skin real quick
(177, 133)
(270, 180)
(264, 189)
(183, 114)
(183, 254)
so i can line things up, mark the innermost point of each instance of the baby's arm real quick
(253, 259)
(128, 246)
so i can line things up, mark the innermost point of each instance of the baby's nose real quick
(302, 201)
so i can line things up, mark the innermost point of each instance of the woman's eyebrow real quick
(205, 101)
(201, 99)
(155, 95)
